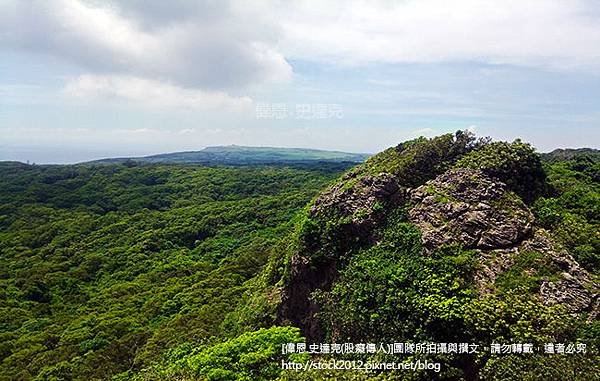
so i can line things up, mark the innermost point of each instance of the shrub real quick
(516, 164)
(416, 161)
(251, 356)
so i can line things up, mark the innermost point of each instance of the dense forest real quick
(103, 268)
(183, 272)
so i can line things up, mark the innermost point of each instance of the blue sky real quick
(81, 80)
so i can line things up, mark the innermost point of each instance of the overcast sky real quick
(85, 79)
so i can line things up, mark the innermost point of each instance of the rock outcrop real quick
(359, 199)
(467, 207)
(346, 216)
(460, 206)
(447, 191)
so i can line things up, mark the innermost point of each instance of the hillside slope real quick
(438, 241)
(449, 240)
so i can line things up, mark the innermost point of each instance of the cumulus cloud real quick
(210, 47)
(209, 50)
(550, 34)
(150, 92)
(230, 44)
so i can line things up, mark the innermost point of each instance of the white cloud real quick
(234, 43)
(150, 93)
(218, 53)
(198, 54)
(541, 33)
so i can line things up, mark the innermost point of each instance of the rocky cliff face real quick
(349, 212)
(459, 206)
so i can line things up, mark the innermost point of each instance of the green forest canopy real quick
(112, 270)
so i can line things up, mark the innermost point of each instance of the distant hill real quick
(239, 155)
(561, 154)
